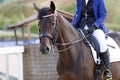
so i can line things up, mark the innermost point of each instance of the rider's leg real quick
(100, 36)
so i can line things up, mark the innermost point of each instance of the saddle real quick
(91, 41)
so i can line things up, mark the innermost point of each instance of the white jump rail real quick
(7, 51)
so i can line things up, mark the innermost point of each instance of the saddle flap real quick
(114, 49)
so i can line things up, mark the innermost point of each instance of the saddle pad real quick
(113, 48)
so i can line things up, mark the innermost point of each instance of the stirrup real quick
(106, 77)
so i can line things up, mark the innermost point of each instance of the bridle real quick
(53, 37)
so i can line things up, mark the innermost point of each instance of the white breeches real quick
(100, 36)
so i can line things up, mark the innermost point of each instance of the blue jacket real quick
(99, 11)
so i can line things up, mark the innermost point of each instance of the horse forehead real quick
(44, 11)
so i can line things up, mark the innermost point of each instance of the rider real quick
(90, 15)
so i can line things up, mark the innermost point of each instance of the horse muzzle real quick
(45, 50)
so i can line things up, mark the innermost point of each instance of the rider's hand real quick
(91, 29)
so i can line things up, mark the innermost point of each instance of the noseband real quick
(54, 36)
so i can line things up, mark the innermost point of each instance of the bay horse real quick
(75, 58)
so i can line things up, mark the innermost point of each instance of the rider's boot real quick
(106, 62)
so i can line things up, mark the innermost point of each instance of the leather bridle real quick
(53, 37)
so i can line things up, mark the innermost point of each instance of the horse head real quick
(47, 27)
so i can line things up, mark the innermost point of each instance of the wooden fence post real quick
(22, 30)
(29, 32)
(16, 38)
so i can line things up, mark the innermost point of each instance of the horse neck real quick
(67, 34)
(78, 57)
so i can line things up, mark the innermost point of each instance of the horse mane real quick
(66, 25)
(64, 20)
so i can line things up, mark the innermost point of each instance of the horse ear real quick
(36, 7)
(52, 6)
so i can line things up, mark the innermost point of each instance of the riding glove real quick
(91, 29)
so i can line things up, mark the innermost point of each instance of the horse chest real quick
(68, 76)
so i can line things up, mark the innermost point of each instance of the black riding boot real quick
(106, 61)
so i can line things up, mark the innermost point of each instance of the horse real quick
(75, 60)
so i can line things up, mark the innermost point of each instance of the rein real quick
(54, 36)
(70, 43)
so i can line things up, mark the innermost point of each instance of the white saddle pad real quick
(113, 48)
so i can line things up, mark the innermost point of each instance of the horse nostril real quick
(44, 50)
